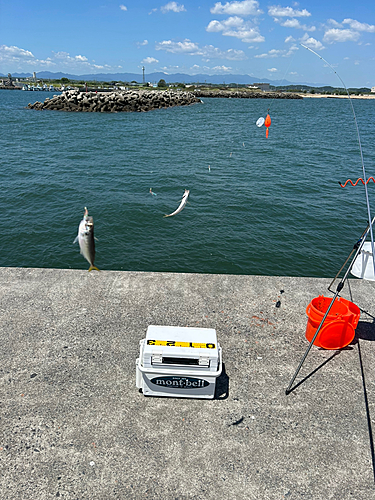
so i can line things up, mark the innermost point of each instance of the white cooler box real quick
(179, 362)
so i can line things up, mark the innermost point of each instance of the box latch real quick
(204, 361)
(157, 358)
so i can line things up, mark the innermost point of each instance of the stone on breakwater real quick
(243, 94)
(131, 100)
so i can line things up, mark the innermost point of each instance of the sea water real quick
(256, 206)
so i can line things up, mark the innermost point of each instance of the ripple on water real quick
(265, 206)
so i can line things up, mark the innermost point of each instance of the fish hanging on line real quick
(86, 240)
(181, 205)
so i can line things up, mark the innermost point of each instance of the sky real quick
(257, 38)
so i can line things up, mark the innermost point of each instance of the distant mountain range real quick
(155, 77)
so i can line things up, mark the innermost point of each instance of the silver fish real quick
(182, 204)
(86, 240)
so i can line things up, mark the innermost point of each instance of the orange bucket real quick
(354, 312)
(338, 328)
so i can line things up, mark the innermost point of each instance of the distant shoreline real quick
(332, 96)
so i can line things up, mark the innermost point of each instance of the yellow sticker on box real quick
(176, 343)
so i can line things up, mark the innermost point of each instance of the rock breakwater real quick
(118, 101)
(243, 94)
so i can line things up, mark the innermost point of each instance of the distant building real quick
(262, 86)
(373, 90)
(34, 76)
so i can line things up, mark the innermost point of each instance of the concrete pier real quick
(73, 425)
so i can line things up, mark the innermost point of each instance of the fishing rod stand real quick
(357, 249)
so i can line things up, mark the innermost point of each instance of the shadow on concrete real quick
(367, 410)
(314, 371)
(365, 331)
(222, 385)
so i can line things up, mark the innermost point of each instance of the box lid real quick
(180, 342)
(181, 337)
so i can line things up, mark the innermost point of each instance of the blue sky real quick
(258, 38)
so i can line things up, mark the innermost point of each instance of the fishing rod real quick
(365, 181)
(357, 247)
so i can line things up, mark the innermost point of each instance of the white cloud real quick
(141, 44)
(294, 23)
(289, 39)
(356, 25)
(334, 23)
(272, 70)
(169, 69)
(245, 8)
(186, 46)
(224, 69)
(340, 34)
(16, 52)
(195, 69)
(311, 42)
(277, 53)
(172, 7)
(238, 28)
(62, 55)
(208, 51)
(337, 35)
(278, 11)
(149, 60)
(291, 50)
(17, 59)
(122, 7)
(270, 54)
(66, 57)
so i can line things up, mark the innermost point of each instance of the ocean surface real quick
(266, 206)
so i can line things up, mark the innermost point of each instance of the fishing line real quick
(283, 78)
(267, 121)
(360, 149)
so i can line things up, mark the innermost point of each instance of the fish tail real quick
(93, 268)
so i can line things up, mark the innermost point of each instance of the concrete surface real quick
(73, 425)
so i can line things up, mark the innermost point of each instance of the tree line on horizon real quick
(163, 84)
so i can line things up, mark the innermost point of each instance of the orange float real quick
(267, 123)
